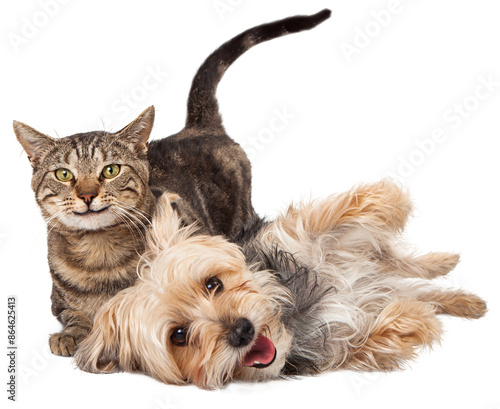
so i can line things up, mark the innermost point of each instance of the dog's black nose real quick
(242, 333)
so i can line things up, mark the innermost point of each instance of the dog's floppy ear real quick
(166, 228)
(99, 352)
(127, 336)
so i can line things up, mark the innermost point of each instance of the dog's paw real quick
(471, 306)
(457, 303)
(63, 343)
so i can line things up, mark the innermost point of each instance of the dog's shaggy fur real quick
(324, 286)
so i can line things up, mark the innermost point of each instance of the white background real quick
(356, 118)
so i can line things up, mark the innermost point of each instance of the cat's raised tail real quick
(203, 109)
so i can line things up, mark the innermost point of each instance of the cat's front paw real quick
(64, 343)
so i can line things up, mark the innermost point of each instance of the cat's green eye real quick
(111, 171)
(64, 175)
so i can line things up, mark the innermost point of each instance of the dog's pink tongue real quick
(262, 354)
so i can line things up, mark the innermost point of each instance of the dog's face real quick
(197, 315)
(217, 320)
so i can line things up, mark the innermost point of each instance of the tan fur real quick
(399, 331)
(426, 266)
(455, 302)
(380, 206)
(366, 314)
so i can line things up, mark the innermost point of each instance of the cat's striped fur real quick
(96, 224)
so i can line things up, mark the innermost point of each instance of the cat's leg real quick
(76, 327)
(402, 328)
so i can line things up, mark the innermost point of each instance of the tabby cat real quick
(97, 190)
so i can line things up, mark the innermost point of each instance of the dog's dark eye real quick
(214, 285)
(179, 336)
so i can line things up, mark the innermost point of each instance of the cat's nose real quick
(87, 190)
(87, 198)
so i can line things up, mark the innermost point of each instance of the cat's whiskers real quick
(130, 226)
(104, 127)
(117, 136)
(52, 217)
(144, 225)
(147, 216)
(54, 220)
(130, 218)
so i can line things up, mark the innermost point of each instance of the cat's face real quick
(93, 180)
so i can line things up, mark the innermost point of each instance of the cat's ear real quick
(137, 132)
(33, 142)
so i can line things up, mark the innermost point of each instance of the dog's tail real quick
(203, 109)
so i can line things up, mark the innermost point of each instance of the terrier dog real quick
(324, 286)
